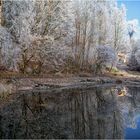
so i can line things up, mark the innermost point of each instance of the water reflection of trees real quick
(130, 106)
(71, 114)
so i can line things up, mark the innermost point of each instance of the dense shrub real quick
(105, 56)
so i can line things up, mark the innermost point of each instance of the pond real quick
(97, 113)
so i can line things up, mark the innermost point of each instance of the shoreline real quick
(60, 84)
(31, 82)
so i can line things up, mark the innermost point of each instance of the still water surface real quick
(98, 113)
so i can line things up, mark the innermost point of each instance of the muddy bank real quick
(72, 82)
(69, 82)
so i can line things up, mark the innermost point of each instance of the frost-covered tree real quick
(36, 27)
(7, 50)
(133, 27)
(50, 16)
(119, 28)
(49, 32)
(17, 20)
(52, 25)
(134, 58)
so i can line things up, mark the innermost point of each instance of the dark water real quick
(98, 113)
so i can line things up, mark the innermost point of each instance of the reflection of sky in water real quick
(133, 133)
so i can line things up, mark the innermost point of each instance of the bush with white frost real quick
(105, 56)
